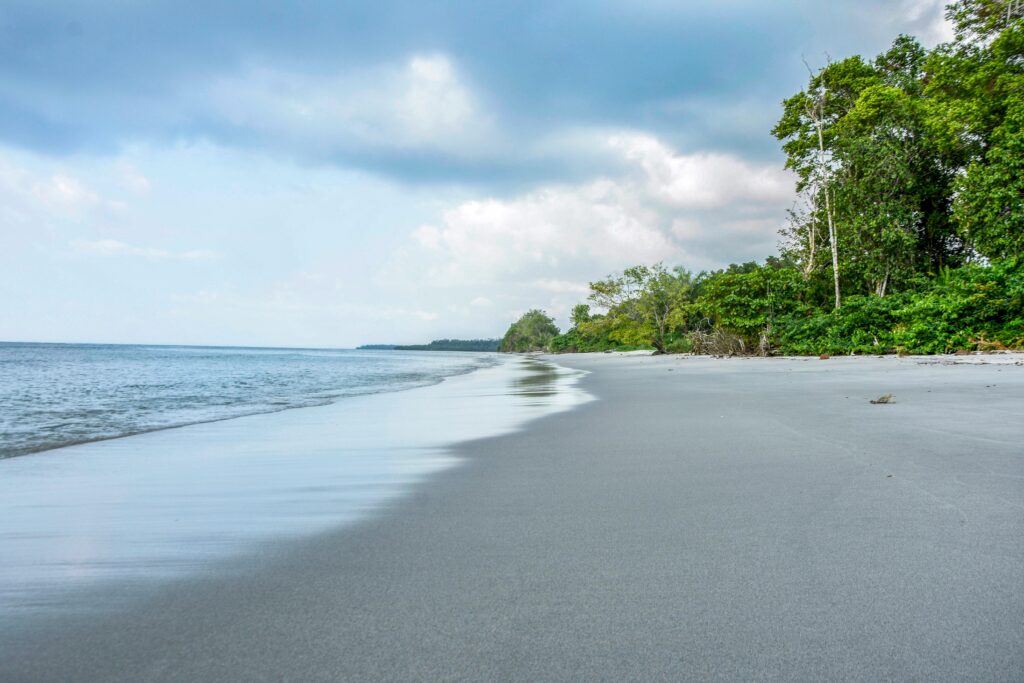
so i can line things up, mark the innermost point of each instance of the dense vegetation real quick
(454, 345)
(909, 230)
(439, 345)
(532, 332)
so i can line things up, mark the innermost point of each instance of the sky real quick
(336, 173)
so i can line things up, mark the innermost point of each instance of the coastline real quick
(728, 520)
(342, 389)
(145, 508)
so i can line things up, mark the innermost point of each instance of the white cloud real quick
(62, 188)
(40, 198)
(666, 207)
(110, 248)
(420, 104)
(702, 180)
(599, 223)
(561, 286)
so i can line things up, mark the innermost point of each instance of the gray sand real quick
(744, 519)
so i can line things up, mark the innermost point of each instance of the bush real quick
(975, 307)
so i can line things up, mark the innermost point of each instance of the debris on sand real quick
(884, 398)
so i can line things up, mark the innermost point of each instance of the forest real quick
(908, 230)
(438, 345)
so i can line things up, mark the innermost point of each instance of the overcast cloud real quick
(332, 173)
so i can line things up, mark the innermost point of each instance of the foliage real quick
(746, 300)
(990, 205)
(644, 305)
(976, 307)
(764, 308)
(454, 345)
(532, 332)
(910, 175)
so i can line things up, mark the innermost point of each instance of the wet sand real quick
(735, 519)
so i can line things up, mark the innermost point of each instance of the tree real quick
(532, 332)
(799, 238)
(580, 314)
(910, 172)
(978, 91)
(990, 205)
(644, 303)
(976, 21)
(870, 156)
(806, 131)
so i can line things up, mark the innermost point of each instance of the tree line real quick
(438, 345)
(908, 230)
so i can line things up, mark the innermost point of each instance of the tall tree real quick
(978, 91)
(806, 129)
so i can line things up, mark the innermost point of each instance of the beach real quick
(702, 519)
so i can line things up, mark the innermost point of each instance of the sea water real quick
(54, 395)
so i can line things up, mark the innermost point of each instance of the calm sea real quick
(54, 395)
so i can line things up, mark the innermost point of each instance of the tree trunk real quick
(829, 213)
(816, 114)
(835, 248)
(883, 284)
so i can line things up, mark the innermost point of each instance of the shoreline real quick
(155, 506)
(264, 410)
(727, 521)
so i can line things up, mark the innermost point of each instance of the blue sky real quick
(329, 174)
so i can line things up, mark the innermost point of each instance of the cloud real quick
(114, 248)
(65, 189)
(560, 286)
(420, 90)
(701, 210)
(703, 180)
(420, 104)
(542, 231)
(39, 199)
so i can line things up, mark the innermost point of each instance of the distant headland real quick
(438, 345)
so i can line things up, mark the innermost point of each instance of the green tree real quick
(872, 167)
(580, 314)
(978, 88)
(979, 20)
(532, 332)
(806, 129)
(644, 303)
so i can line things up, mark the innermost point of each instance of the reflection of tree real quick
(537, 380)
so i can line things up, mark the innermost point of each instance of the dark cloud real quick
(96, 75)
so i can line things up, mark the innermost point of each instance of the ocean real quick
(54, 395)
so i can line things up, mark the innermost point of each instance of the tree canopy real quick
(909, 230)
(532, 332)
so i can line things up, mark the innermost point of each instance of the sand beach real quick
(702, 519)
